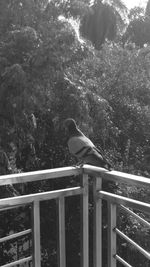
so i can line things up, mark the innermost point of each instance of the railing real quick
(113, 200)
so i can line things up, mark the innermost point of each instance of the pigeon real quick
(83, 148)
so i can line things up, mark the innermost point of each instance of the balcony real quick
(114, 202)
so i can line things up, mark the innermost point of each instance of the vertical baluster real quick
(97, 223)
(111, 235)
(85, 223)
(62, 238)
(36, 234)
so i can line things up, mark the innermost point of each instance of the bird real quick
(82, 147)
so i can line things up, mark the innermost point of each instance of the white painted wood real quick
(85, 222)
(120, 200)
(62, 236)
(60, 194)
(27, 259)
(124, 263)
(97, 223)
(26, 199)
(111, 235)
(11, 207)
(68, 171)
(139, 248)
(133, 214)
(39, 175)
(36, 234)
(116, 176)
(16, 235)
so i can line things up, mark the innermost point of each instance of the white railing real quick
(98, 174)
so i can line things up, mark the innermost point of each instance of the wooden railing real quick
(97, 174)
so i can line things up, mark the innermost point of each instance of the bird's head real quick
(70, 126)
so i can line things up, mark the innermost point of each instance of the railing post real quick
(62, 237)
(36, 235)
(111, 235)
(97, 223)
(85, 222)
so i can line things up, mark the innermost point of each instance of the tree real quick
(100, 22)
(138, 29)
(147, 10)
(47, 75)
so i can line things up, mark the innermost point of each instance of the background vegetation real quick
(70, 58)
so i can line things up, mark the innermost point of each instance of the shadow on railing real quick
(113, 201)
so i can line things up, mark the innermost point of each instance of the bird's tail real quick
(108, 164)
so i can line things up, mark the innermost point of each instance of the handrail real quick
(56, 173)
(27, 199)
(98, 174)
(116, 176)
(13, 236)
(122, 261)
(136, 204)
(133, 214)
(139, 248)
(75, 171)
(24, 260)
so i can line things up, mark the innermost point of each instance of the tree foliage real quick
(102, 21)
(98, 24)
(48, 73)
(138, 28)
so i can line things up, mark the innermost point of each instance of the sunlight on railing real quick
(114, 202)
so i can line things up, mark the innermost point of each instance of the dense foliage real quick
(48, 73)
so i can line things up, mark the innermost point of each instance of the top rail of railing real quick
(82, 190)
(39, 175)
(74, 171)
(116, 175)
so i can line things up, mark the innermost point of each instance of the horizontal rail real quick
(116, 176)
(27, 259)
(11, 207)
(139, 248)
(122, 261)
(147, 224)
(145, 207)
(26, 199)
(39, 175)
(69, 171)
(13, 236)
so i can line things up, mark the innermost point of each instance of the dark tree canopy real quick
(98, 24)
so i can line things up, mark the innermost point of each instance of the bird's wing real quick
(78, 145)
(83, 149)
(99, 154)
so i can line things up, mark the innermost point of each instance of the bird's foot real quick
(109, 168)
(79, 164)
